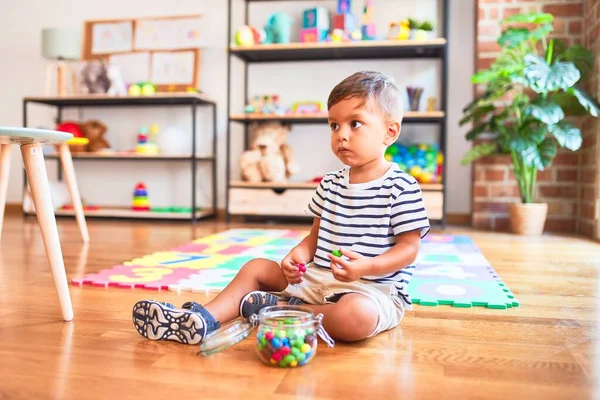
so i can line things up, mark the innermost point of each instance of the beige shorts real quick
(318, 286)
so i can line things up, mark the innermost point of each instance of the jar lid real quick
(225, 337)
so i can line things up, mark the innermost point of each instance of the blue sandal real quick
(162, 321)
(259, 301)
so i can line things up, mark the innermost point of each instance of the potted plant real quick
(531, 89)
(425, 31)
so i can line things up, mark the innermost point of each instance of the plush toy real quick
(278, 28)
(117, 84)
(94, 130)
(94, 78)
(269, 158)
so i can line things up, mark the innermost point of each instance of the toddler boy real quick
(369, 210)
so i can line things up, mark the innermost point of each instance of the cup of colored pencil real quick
(414, 97)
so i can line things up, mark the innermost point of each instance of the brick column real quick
(589, 153)
(494, 186)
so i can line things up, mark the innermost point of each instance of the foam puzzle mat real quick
(451, 270)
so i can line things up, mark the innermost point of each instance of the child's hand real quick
(289, 266)
(350, 267)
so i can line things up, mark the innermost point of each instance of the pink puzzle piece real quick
(202, 248)
(132, 276)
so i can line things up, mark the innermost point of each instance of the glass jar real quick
(286, 336)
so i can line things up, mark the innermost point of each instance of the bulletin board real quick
(161, 50)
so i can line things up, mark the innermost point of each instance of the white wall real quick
(169, 183)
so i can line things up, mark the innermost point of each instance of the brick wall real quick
(589, 153)
(494, 186)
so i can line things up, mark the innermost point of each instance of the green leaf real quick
(567, 135)
(545, 111)
(529, 18)
(476, 113)
(576, 102)
(484, 76)
(578, 55)
(545, 78)
(512, 37)
(477, 130)
(586, 101)
(542, 32)
(540, 156)
(480, 150)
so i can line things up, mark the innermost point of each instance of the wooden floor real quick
(549, 348)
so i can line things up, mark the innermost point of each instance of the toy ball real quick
(148, 89)
(388, 157)
(70, 127)
(245, 36)
(416, 171)
(426, 177)
(135, 90)
(356, 35)
(337, 35)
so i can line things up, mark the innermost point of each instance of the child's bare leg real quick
(190, 323)
(354, 317)
(258, 274)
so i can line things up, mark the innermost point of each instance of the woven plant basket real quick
(527, 219)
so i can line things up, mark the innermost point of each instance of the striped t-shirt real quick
(365, 217)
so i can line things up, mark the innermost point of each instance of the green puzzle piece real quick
(463, 293)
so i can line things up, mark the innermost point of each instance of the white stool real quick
(30, 141)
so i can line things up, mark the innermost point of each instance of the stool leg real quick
(4, 173)
(69, 170)
(35, 168)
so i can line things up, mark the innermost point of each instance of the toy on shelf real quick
(248, 36)
(315, 25)
(94, 130)
(345, 24)
(399, 30)
(265, 104)
(140, 198)
(278, 28)
(146, 140)
(307, 107)
(423, 161)
(269, 158)
(431, 104)
(414, 97)
(117, 84)
(142, 89)
(368, 26)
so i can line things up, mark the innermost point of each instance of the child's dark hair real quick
(370, 86)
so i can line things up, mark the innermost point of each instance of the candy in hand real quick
(337, 253)
(301, 268)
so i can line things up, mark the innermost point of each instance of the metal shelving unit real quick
(435, 49)
(184, 99)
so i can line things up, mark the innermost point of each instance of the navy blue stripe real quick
(360, 235)
(335, 183)
(374, 216)
(407, 212)
(383, 280)
(343, 244)
(353, 207)
(408, 222)
(377, 196)
(355, 225)
(405, 298)
(313, 210)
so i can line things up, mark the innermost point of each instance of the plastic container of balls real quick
(286, 336)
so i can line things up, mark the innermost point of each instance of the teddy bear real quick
(269, 158)
(94, 130)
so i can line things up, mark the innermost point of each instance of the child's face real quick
(360, 135)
